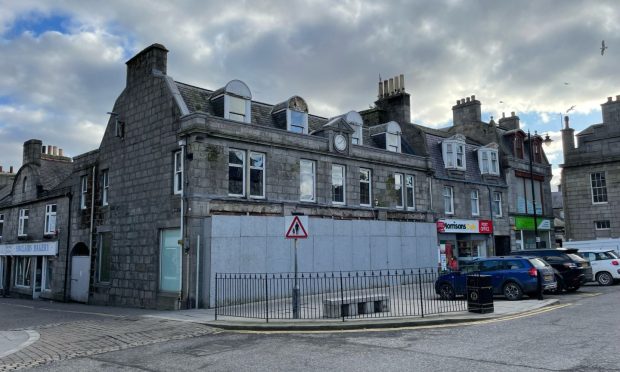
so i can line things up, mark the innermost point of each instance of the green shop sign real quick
(527, 223)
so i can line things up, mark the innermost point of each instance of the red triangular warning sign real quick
(296, 230)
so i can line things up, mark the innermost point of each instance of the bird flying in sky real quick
(570, 109)
(603, 47)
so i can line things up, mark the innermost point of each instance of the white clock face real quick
(340, 142)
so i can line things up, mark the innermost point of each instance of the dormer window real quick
(537, 151)
(453, 150)
(297, 121)
(356, 122)
(488, 160)
(233, 102)
(291, 115)
(392, 137)
(519, 146)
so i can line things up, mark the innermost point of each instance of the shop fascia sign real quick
(527, 223)
(465, 226)
(29, 249)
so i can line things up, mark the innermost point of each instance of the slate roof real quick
(198, 99)
(53, 172)
(472, 172)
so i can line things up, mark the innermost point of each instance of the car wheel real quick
(604, 278)
(512, 291)
(446, 292)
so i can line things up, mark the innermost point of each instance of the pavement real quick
(207, 317)
(60, 331)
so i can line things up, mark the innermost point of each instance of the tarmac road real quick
(581, 334)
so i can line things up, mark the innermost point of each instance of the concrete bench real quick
(354, 305)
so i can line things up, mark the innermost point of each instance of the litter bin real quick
(479, 294)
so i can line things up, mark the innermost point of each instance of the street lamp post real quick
(529, 139)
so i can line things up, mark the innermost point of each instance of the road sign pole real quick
(296, 288)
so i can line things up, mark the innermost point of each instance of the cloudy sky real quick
(63, 62)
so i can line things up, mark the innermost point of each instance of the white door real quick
(79, 278)
(38, 277)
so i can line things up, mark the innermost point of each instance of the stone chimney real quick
(509, 123)
(393, 101)
(142, 64)
(32, 152)
(611, 110)
(568, 138)
(466, 110)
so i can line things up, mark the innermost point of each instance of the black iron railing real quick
(332, 295)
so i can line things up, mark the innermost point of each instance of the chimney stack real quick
(466, 110)
(141, 66)
(509, 123)
(32, 152)
(611, 111)
(568, 138)
(393, 101)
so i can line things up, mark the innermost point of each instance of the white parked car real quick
(605, 265)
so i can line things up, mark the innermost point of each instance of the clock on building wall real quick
(340, 142)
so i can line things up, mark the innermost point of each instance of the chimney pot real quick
(380, 93)
(391, 86)
(503, 115)
(11, 169)
(618, 98)
(512, 113)
(54, 150)
(385, 88)
(60, 152)
(566, 122)
(473, 97)
(609, 99)
(402, 82)
(467, 99)
(0, 168)
(42, 149)
(458, 101)
(396, 84)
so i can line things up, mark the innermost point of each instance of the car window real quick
(538, 263)
(489, 265)
(553, 259)
(514, 264)
(468, 268)
(588, 255)
(603, 256)
(613, 254)
(574, 257)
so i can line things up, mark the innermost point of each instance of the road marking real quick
(410, 328)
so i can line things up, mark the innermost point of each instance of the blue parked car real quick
(511, 277)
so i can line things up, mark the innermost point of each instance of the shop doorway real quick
(80, 273)
(38, 276)
(502, 245)
(6, 275)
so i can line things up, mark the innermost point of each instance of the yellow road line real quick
(466, 323)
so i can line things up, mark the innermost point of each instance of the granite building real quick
(591, 177)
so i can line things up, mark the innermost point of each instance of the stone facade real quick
(597, 154)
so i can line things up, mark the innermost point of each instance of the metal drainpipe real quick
(183, 143)
(492, 222)
(70, 196)
(92, 223)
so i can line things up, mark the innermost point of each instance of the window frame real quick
(369, 183)
(22, 226)
(519, 144)
(343, 176)
(104, 187)
(477, 202)
(410, 202)
(357, 137)
(83, 191)
(247, 115)
(603, 181)
(454, 151)
(289, 121)
(399, 182)
(1, 224)
(313, 177)
(263, 170)
(45, 278)
(450, 198)
(50, 215)
(25, 268)
(499, 204)
(243, 172)
(489, 163)
(598, 223)
(178, 172)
